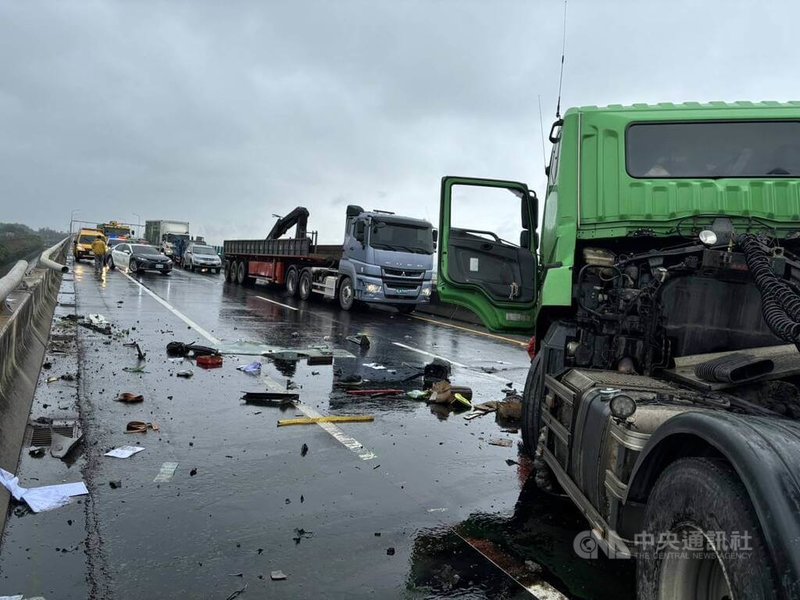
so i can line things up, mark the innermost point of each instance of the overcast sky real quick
(223, 113)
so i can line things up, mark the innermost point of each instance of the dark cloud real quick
(224, 113)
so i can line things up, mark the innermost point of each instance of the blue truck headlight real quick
(373, 288)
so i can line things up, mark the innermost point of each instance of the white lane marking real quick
(166, 472)
(340, 436)
(278, 303)
(457, 364)
(174, 310)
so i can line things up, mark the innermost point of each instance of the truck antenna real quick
(541, 133)
(563, 49)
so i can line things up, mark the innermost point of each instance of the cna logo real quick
(585, 545)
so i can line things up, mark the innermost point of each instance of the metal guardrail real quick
(51, 264)
(14, 277)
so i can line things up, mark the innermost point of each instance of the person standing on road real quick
(99, 251)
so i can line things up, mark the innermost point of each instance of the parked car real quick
(139, 257)
(201, 256)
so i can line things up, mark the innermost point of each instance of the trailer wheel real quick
(305, 285)
(346, 294)
(241, 272)
(711, 545)
(228, 270)
(291, 282)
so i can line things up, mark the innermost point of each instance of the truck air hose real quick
(780, 304)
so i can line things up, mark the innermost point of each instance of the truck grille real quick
(403, 274)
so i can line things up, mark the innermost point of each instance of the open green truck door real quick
(478, 268)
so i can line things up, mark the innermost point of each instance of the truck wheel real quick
(305, 285)
(531, 398)
(230, 269)
(291, 282)
(720, 550)
(241, 272)
(346, 294)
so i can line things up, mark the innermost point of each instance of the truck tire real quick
(291, 282)
(230, 270)
(702, 497)
(241, 272)
(305, 285)
(531, 398)
(346, 294)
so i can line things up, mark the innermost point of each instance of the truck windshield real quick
(401, 236)
(707, 150)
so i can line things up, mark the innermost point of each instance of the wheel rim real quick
(305, 287)
(346, 293)
(134, 266)
(697, 574)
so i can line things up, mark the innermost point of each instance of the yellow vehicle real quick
(82, 246)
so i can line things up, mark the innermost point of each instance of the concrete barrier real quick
(24, 332)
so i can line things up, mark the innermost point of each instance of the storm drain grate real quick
(38, 434)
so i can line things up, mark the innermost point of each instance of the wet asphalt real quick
(420, 505)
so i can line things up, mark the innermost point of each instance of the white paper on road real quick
(42, 498)
(375, 366)
(166, 472)
(124, 451)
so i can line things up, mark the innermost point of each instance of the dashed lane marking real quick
(457, 364)
(278, 303)
(473, 331)
(335, 432)
(173, 310)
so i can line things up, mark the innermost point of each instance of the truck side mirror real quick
(435, 236)
(525, 238)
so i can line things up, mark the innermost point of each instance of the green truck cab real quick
(662, 287)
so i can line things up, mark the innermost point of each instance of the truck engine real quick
(639, 308)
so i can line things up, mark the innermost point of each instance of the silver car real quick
(200, 256)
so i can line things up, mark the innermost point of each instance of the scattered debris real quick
(510, 430)
(443, 393)
(360, 339)
(97, 323)
(390, 551)
(237, 593)
(376, 366)
(141, 355)
(254, 368)
(185, 374)
(37, 451)
(115, 484)
(486, 407)
(277, 576)
(52, 379)
(304, 450)
(417, 394)
(166, 472)
(270, 398)
(504, 442)
(60, 445)
(375, 393)
(130, 398)
(511, 462)
(139, 369)
(510, 408)
(191, 349)
(140, 427)
(437, 370)
(47, 365)
(336, 419)
(193, 472)
(42, 498)
(124, 451)
(299, 534)
(209, 361)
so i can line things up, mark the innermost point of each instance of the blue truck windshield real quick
(707, 150)
(400, 236)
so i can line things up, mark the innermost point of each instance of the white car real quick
(201, 256)
(139, 257)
